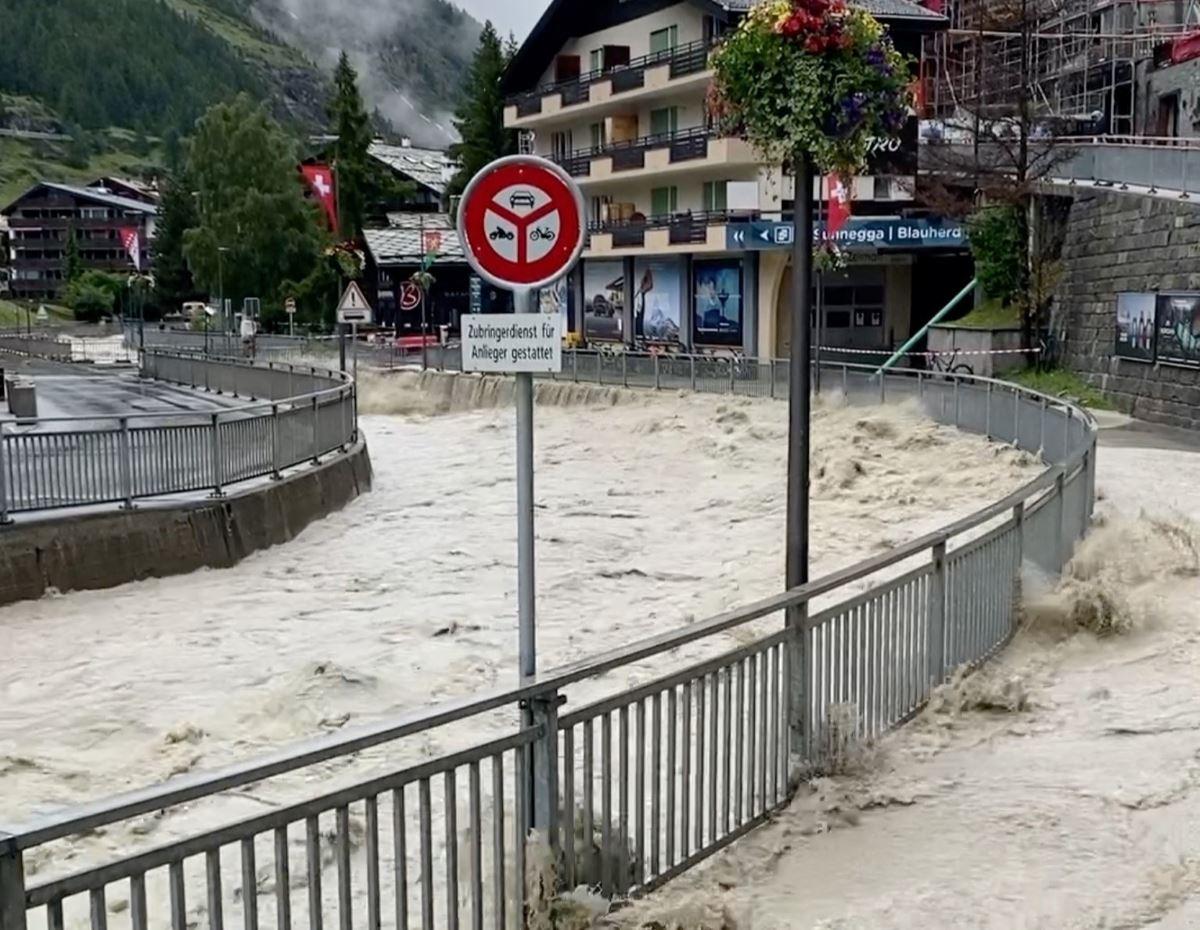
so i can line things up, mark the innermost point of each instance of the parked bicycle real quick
(946, 363)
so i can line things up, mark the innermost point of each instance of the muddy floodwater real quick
(653, 512)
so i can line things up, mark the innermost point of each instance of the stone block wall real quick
(1122, 242)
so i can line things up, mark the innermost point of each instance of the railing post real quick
(801, 739)
(599, 368)
(4, 517)
(1018, 513)
(624, 369)
(1042, 428)
(126, 464)
(216, 455)
(656, 376)
(957, 401)
(846, 381)
(732, 377)
(987, 412)
(575, 365)
(882, 389)
(1059, 513)
(771, 362)
(1016, 415)
(692, 358)
(543, 773)
(12, 885)
(316, 439)
(275, 472)
(935, 648)
(1085, 511)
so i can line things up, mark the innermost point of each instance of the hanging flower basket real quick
(810, 76)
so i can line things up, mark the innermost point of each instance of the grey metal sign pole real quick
(526, 600)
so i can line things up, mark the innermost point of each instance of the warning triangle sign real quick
(353, 307)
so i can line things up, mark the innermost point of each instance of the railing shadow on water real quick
(293, 414)
(635, 782)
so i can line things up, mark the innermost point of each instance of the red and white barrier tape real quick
(948, 353)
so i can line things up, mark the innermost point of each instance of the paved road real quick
(106, 393)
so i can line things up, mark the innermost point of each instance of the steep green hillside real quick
(137, 64)
(109, 86)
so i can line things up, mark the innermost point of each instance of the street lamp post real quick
(800, 379)
(221, 250)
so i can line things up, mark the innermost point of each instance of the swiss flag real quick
(131, 239)
(840, 192)
(320, 182)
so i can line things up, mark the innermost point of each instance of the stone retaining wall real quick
(102, 550)
(1121, 242)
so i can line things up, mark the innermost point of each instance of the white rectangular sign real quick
(512, 342)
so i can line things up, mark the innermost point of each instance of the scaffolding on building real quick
(1077, 59)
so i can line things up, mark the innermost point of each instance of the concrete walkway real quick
(1072, 801)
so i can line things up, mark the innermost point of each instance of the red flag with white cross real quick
(320, 181)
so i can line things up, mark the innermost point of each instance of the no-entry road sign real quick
(521, 223)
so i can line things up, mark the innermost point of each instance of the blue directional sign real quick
(861, 234)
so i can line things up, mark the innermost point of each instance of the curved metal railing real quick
(293, 414)
(634, 787)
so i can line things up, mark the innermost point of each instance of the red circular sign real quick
(410, 296)
(521, 222)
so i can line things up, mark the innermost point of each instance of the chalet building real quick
(127, 187)
(615, 91)
(42, 220)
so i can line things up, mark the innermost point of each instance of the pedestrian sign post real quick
(289, 307)
(521, 226)
(353, 309)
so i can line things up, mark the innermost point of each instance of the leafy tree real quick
(74, 263)
(352, 126)
(255, 229)
(998, 251)
(479, 119)
(177, 214)
(93, 294)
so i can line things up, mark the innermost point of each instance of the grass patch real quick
(1059, 382)
(25, 162)
(13, 315)
(990, 315)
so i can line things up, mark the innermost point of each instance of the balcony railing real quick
(690, 58)
(630, 155)
(684, 227)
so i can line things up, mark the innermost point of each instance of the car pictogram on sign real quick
(522, 199)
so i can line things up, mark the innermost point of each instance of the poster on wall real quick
(555, 300)
(1179, 329)
(1135, 326)
(604, 300)
(657, 299)
(718, 302)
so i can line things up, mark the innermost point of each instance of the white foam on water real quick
(654, 510)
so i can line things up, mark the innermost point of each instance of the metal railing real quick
(630, 789)
(35, 345)
(294, 414)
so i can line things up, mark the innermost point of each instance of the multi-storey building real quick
(615, 91)
(42, 220)
(1088, 66)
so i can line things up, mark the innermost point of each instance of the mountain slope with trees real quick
(116, 83)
